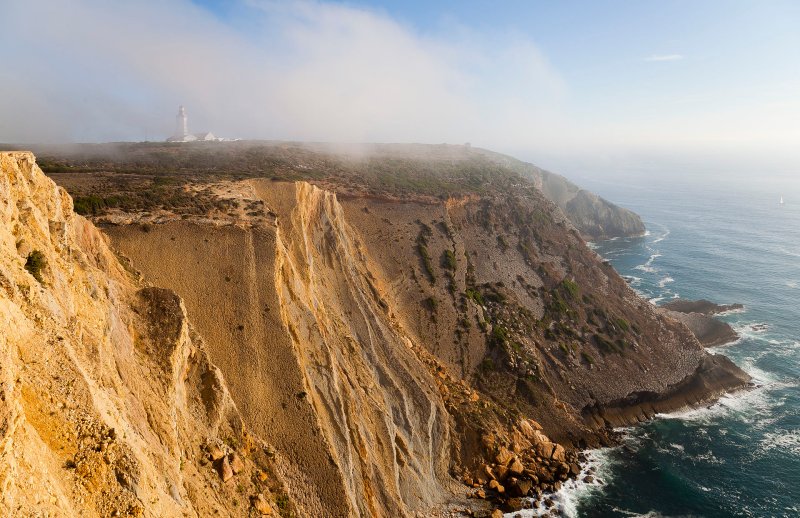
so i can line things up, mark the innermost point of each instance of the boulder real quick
(261, 505)
(224, 469)
(493, 484)
(236, 463)
(519, 487)
(516, 467)
(504, 456)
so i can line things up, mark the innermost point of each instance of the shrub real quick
(622, 324)
(449, 260)
(35, 263)
(570, 287)
(502, 242)
(476, 296)
(426, 262)
(431, 304)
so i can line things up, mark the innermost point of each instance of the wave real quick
(648, 265)
(632, 280)
(666, 280)
(791, 284)
(786, 441)
(662, 237)
(566, 500)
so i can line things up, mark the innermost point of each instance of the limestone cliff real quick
(109, 405)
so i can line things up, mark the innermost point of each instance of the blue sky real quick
(559, 80)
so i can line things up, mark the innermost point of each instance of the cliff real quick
(378, 353)
(595, 217)
(109, 405)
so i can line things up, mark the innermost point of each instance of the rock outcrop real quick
(108, 400)
(698, 316)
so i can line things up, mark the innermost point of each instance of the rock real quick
(493, 484)
(516, 467)
(574, 469)
(504, 456)
(513, 504)
(215, 453)
(497, 513)
(500, 472)
(261, 505)
(559, 454)
(236, 463)
(480, 493)
(519, 487)
(588, 479)
(224, 469)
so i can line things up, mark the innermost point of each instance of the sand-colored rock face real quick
(107, 397)
(314, 359)
(378, 407)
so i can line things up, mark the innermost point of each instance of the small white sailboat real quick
(781, 200)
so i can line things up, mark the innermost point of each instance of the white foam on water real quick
(666, 280)
(787, 441)
(734, 311)
(662, 237)
(567, 499)
(791, 284)
(655, 300)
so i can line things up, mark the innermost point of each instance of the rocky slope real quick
(109, 405)
(399, 351)
(473, 320)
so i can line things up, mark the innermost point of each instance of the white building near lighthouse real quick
(182, 130)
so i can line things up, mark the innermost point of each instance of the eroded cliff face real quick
(378, 407)
(393, 348)
(109, 405)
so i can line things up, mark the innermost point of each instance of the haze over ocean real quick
(727, 242)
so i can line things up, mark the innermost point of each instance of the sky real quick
(570, 84)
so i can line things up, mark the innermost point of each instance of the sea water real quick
(729, 242)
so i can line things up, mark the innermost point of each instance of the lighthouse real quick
(182, 130)
(181, 124)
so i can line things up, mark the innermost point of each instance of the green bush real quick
(570, 287)
(449, 260)
(475, 296)
(422, 250)
(35, 263)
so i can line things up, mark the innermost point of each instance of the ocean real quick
(728, 241)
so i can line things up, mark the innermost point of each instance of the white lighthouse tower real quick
(182, 130)
(181, 123)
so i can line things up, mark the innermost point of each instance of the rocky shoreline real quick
(508, 481)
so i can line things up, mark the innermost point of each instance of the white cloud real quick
(97, 70)
(664, 57)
